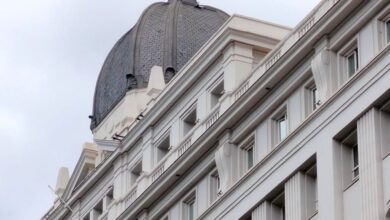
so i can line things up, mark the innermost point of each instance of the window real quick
(215, 185)
(350, 157)
(278, 207)
(351, 142)
(349, 59)
(311, 192)
(87, 217)
(281, 127)
(136, 172)
(110, 196)
(355, 161)
(166, 217)
(189, 120)
(352, 62)
(312, 98)
(98, 209)
(189, 211)
(216, 93)
(247, 153)
(163, 147)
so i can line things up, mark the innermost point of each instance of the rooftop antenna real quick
(62, 201)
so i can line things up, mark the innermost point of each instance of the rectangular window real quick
(278, 207)
(136, 172)
(189, 212)
(315, 98)
(110, 196)
(350, 156)
(311, 192)
(312, 98)
(279, 126)
(189, 121)
(216, 93)
(247, 153)
(355, 161)
(163, 148)
(352, 62)
(282, 127)
(215, 185)
(98, 209)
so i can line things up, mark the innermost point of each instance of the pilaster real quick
(147, 151)
(295, 197)
(237, 64)
(370, 165)
(262, 212)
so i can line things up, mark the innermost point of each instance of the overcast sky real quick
(51, 52)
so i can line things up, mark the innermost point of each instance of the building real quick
(198, 115)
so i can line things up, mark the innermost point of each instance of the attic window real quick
(189, 120)
(136, 172)
(163, 148)
(216, 93)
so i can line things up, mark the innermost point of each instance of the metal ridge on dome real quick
(167, 34)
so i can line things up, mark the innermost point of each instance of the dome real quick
(167, 34)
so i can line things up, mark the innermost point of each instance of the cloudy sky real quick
(51, 52)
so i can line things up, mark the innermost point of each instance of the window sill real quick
(356, 179)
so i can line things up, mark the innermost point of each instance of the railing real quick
(184, 146)
(158, 172)
(214, 117)
(265, 65)
(241, 90)
(306, 27)
(271, 61)
(131, 196)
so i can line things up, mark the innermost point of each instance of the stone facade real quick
(262, 123)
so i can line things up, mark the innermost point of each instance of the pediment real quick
(85, 165)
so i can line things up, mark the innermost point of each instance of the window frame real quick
(191, 110)
(158, 146)
(351, 48)
(249, 143)
(212, 90)
(189, 200)
(276, 131)
(312, 101)
(133, 180)
(354, 54)
(215, 186)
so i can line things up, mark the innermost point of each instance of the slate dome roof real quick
(167, 34)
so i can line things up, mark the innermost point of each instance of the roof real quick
(167, 34)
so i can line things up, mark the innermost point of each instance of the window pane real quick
(388, 31)
(250, 157)
(315, 97)
(355, 161)
(355, 157)
(352, 64)
(282, 126)
(191, 211)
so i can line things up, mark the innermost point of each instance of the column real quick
(295, 197)
(370, 165)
